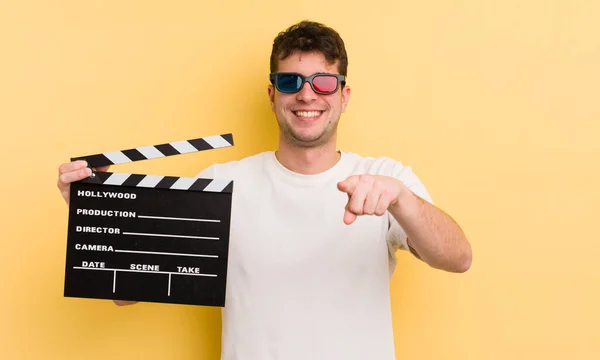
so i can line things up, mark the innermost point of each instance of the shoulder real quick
(381, 165)
(387, 166)
(236, 168)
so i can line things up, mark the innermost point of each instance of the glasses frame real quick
(341, 79)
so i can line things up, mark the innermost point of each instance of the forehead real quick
(307, 63)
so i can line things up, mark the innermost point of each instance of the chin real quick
(308, 140)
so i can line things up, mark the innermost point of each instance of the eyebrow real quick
(323, 73)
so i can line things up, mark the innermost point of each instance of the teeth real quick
(308, 114)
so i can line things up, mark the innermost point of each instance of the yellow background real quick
(495, 105)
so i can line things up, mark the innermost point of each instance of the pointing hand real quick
(369, 195)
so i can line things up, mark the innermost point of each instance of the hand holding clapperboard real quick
(149, 238)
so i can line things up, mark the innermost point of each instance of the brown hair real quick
(310, 36)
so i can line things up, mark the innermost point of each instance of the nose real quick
(306, 94)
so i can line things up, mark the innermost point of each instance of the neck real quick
(307, 161)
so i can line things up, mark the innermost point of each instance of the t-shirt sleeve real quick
(397, 238)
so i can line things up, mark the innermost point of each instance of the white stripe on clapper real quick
(150, 152)
(183, 183)
(183, 147)
(116, 179)
(217, 185)
(117, 157)
(150, 181)
(216, 141)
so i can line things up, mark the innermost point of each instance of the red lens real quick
(325, 83)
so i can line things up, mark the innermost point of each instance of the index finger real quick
(71, 166)
(348, 185)
(101, 168)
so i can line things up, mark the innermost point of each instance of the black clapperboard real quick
(149, 238)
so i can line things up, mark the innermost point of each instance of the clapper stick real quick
(157, 151)
(149, 238)
(154, 152)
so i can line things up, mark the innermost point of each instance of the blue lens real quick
(289, 82)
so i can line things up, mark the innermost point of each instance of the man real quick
(314, 230)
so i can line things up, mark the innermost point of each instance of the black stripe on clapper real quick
(166, 182)
(133, 180)
(228, 137)
(200, 184)
(167, 149)
(200, 144)
(134, 155)
(229, 188)
(97, 178)
(94, 160)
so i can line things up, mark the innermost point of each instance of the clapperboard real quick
(149, 238)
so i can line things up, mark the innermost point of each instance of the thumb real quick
(349, 217)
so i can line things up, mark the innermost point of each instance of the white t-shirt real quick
(301, 284)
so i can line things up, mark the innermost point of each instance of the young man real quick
(314, 230)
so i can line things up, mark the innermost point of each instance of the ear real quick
(271, 92)
(345, 97)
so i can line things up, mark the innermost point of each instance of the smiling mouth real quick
(308, 115)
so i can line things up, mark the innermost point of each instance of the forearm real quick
(433, 235)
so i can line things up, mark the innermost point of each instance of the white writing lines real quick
(144, 271)
(172, 236)
(169, 288)
(132, 214)
(177, 218)
(166, 253)
(182, 271)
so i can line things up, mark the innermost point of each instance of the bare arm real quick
(433, 236)
(75, 171)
